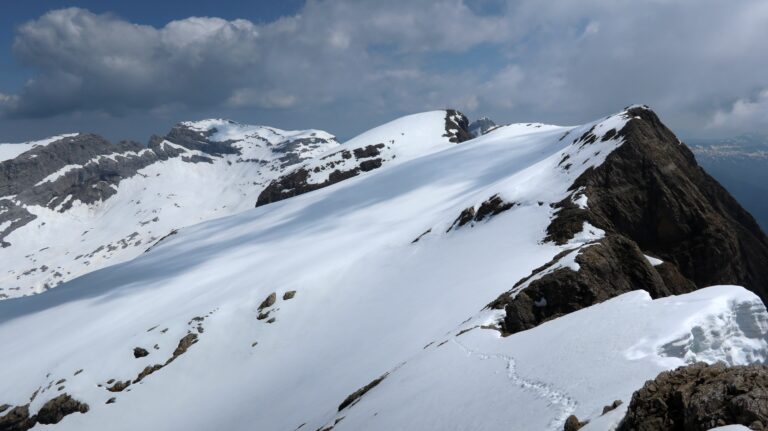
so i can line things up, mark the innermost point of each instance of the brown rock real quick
(184, 344)
(612, 266)
(17, 419)
(573, 424)
(55, 409)
(612, 406)
(119, 386)
(269, 301)
(700, 397)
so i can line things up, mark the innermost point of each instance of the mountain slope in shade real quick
(362, 305)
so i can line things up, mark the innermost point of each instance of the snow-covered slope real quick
(91, 204)
(398, 141)
(362, 305)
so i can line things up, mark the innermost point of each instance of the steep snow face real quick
(370, 276)
(68, 238)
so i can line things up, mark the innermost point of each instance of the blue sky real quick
(131, 69)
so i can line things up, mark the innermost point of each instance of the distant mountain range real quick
(741, 165)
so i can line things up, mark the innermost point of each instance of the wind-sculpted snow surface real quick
(343, 307)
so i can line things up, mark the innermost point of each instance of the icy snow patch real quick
(60, 173)
(579, 198)
(653, 261)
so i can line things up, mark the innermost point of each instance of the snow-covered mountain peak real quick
(222, 130)
(395, 142)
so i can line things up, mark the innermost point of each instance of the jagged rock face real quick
(652, 191)
(607, 268)
(650, 197)
(701, 397)
(298, 182)
(457, 126)
(481, 126)
(52, 412)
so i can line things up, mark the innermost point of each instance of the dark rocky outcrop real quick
(701, 397)
(354, 397)
(140, 352)
(492, 206)
(198, 140)
(119, 386)
(17, 419)
(650, 197)
(613, 406)
(456, 126)
(608, 268)
(184, 344)
(297, 182)
(163, 238)
(268, 301)
(55, 409)
(572, 423)
(52, 412)
(652, 191)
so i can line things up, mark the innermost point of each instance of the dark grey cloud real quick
(701, 63)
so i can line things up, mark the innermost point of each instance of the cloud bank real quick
(700, 62)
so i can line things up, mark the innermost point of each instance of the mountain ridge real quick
(369, 295)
